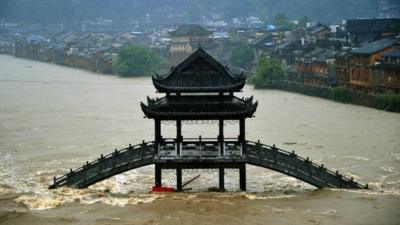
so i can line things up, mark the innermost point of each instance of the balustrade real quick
(200, 148)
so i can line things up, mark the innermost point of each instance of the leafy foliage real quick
(303, 21)
(388, 102)
(269, 73)
(396, 28)
(55, 11)
(242, 55)
(137, 61)
(340, 94)
(282, 21)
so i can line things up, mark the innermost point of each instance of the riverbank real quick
(389, 103)
(341, 94)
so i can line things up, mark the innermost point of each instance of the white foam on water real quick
(328, 212)
(374, 190)
(38, 202)
(387, 169)
(63, 195)
(6, 190)
(353, 157)
(262, 185)
(348, 174)
(261, 197)
(282, 210)
(8, 176)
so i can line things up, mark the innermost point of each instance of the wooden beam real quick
(221, 136)
(242, 177)
(242, 135)
(178, 137)
(179, 179)
(158, 175)
(221, 179)
(157, 134)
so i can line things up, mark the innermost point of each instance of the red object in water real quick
(162, 189)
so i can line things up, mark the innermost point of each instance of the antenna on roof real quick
(199, 45)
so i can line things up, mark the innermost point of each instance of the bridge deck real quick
(201, 155)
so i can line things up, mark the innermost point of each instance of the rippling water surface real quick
(53, 118)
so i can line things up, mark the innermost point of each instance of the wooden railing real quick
(296, 166)
(108, 165)
(200, 148)
(258, 154)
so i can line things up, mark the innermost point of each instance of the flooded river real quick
(53, 118)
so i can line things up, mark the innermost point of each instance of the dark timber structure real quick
(200, 88)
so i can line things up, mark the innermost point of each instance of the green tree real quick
(242, 55)
(341, 94)
(269, 73)
(137, 61)
(396, 28)
(303, 21)
(282, 21)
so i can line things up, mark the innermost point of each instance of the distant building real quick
(362, 30)
(387, 73)
(296, 34)
(319, 31)
(315, 68)
(288, 52)
(262, 46)
(364, 59)
(342, 67)
(186, 39)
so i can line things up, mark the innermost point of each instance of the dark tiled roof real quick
(326, 55)
(36, 39)
(314, 53)
(365, 37)
(394, 54)
(371, 25)
(205, 44)
(375, 46)
(199, 73)
(343, 54)
(283, 46)
(317, 28)
(323, 43)
(199, 107)
(266, 38)
(190, 30)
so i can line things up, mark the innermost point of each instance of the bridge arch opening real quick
(266, 180)
(134, 180)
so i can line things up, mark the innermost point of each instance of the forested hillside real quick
(182, 10)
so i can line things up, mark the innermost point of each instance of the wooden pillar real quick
(242, 135)
(158, 175)
(178, 137)
(221, 179)
(221, 136)
(179, 179)
(242, 177)
(242, 129)
(157, 135)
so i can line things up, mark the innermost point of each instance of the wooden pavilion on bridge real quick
(199, 88)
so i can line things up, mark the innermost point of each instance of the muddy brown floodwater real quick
(53, 118)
